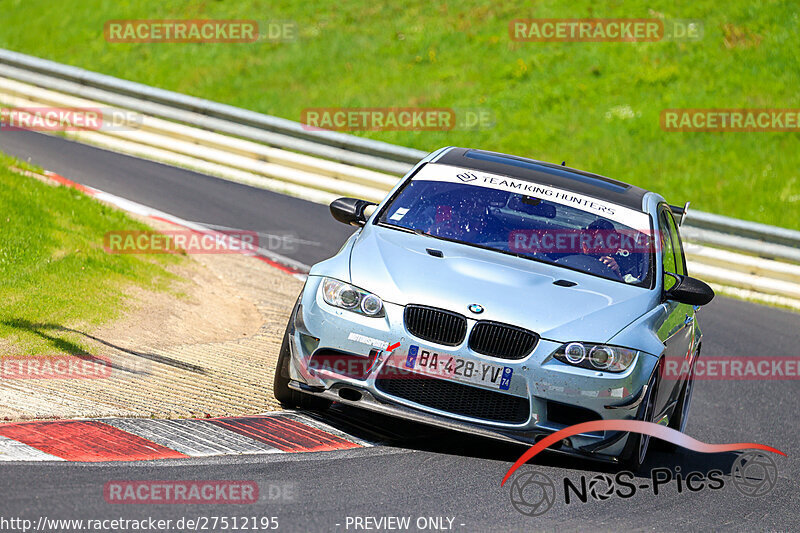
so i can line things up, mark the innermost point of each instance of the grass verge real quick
(56, 280)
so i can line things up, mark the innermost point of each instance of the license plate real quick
(443, 365)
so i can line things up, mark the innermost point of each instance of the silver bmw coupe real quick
(504, 297)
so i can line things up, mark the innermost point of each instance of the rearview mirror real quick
(532, 206)
(351, 210)
(689, 291)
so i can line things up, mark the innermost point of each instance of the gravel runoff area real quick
(206, 348)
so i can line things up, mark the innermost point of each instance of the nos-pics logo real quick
(533, 493)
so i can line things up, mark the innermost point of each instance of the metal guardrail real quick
(752, 237)
(207, 107)
(290, 128)
(235, 140)
(763, 246)
(753, 230)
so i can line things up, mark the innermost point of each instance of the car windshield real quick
(528, 226)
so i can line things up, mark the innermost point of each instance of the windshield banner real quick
(617, 213)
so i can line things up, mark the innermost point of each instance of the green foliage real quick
(595, 105)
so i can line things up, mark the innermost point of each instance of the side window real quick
(677, 247)
(668, 253)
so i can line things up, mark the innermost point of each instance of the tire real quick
(635, 452)
(290, 398)
(678, 421)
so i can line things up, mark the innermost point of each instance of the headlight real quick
(575, 353)
(596, 356)
(340, 294)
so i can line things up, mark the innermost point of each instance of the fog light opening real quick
(351, 395)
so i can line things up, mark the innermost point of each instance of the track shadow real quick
(48, 331)
(414, 436)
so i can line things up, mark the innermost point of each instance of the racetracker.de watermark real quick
(580, 241)
(67, 119)
(730, 120)
(605, 30)
(55, 367)
(767, 368)
(198, 31)
(181, 492)
(180, 241)
(396, 118)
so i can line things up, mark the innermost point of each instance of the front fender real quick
(642, 333)
(337, 266)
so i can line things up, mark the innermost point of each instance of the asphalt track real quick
(418, 471)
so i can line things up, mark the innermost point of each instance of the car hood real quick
(396, 266)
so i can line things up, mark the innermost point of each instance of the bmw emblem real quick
(475, 308)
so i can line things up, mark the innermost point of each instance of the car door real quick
(676, 332)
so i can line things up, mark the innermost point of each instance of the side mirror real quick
(351, 211)
(689, 291)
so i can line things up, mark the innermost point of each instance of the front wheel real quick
(635, 451)
(681, 413)
(288, 397)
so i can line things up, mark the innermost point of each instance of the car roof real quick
(546, 173)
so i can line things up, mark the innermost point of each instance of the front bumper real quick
(551, 387)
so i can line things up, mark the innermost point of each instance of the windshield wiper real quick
(410, 230)
(428, 234)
